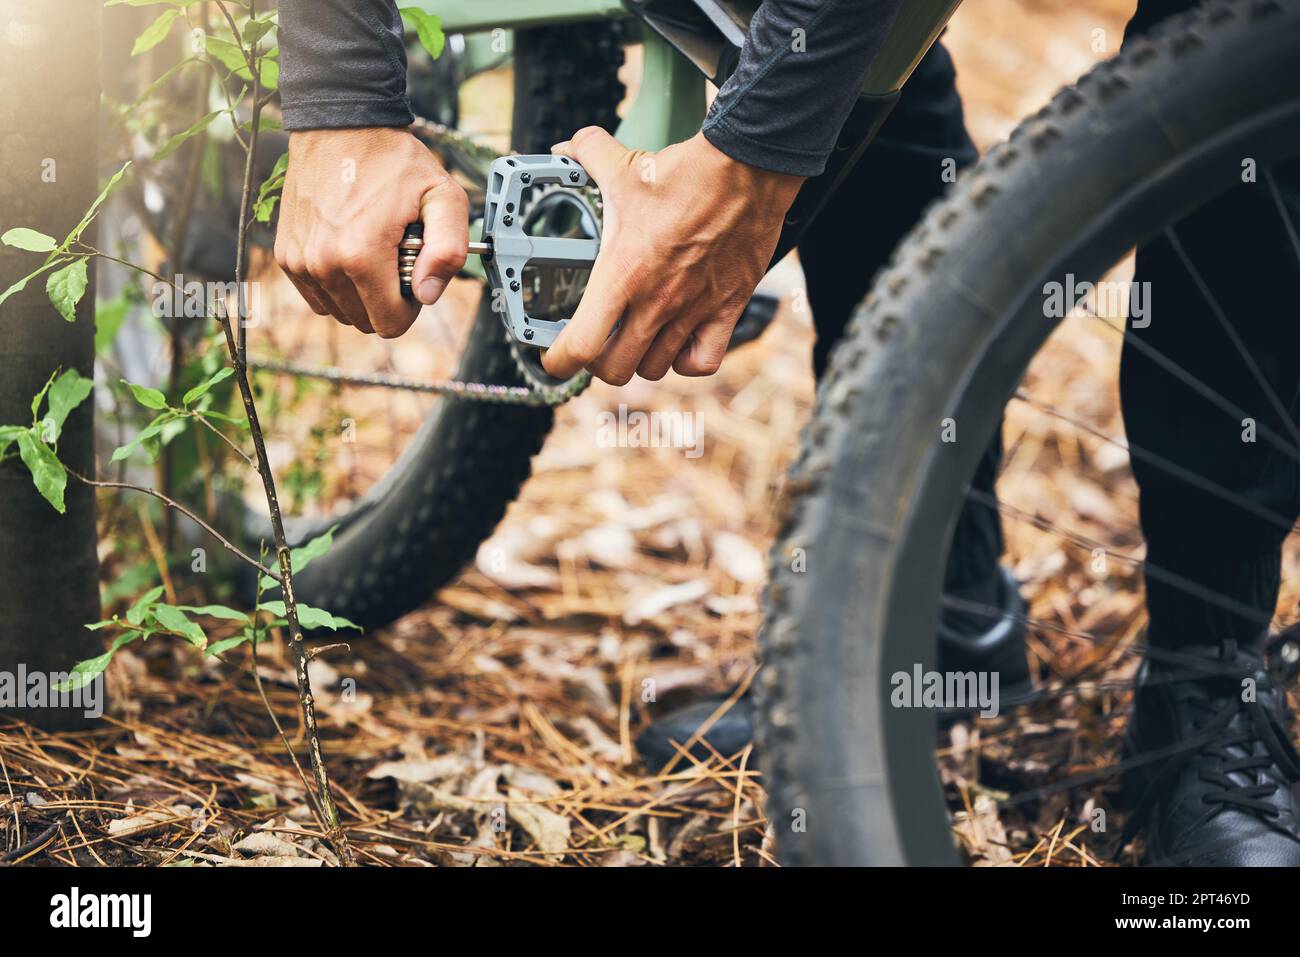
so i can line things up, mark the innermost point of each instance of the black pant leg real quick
(1225, 554)
(901, 173)
(1213, 565)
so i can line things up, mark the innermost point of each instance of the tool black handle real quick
(407, 252)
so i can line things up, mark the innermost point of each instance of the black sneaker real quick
(728, 735)
(970, 639)
(1210, 768)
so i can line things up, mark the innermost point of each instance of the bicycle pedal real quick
(508, 249)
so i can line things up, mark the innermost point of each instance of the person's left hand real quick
(338, 235)
(688, 233)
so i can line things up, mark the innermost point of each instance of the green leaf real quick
(227, 54)
(21, 284)
(269, 69)
(231, 56)
(66, 287)
(83, 672)
(254, 30)
(36, 400)
(225, 644)
(269, 193)
(176, 621)
(170, 429)
(428, 28)
(147, 433)
(304, 555)
(9, 435)
(68, 392)
(147, 397)
(29, 239)
(135, 614)
(177, 141)
(159, 82)
(155, 33)
(240, 423)
(127, 582)
(278, 170)
(264, 209)
(94, 207)
(309, 617)
(47, 471)
(265, 124)
(216, 611)
(204, 387)
(109, 317)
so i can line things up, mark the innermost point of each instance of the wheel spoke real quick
(1174, 580)
(1201, 387)
(1164, 464)
(1283, 214)
(1240, 346)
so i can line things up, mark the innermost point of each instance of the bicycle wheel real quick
(418, 524)
(415, 515)
(947, 333)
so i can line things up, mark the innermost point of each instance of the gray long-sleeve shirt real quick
(343, 65)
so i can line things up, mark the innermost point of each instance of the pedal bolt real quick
(528, 333)
(408, 251)
(525, 178)
(514, 286)
(574, 176)
(508, 220)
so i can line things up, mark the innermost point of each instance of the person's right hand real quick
(348, 197)
(688, 233)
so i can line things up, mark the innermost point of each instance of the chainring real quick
(554, 293)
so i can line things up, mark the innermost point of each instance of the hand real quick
(347, 200)
(688, 233)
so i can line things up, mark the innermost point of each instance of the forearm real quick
(342, 64)
(799, 75)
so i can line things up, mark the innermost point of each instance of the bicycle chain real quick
(529, 395)
(538, 392)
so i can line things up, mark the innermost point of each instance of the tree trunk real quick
(49, 568)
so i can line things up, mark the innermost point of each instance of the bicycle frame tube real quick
(918, 25)
(469, 16)
(670, 102)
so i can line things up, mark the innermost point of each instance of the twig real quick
(239, 40)
(172, 503)
(13, 801)
(236, 345)
(223, 81)
(225, 438)
(121, 262)
(241, 248)
(279, 729)
(24, 851)
(275, 719)
(735, 811)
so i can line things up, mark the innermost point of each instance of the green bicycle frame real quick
(672, 100)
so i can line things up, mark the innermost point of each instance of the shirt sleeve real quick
(342, 64)
(799, 75)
